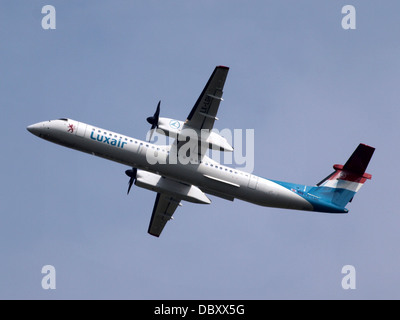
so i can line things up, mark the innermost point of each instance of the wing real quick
(164, 208)
(204, 112)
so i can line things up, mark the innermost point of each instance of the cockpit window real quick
(63, 119)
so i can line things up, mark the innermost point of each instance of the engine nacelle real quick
(173, 128)
(169, 127)
(157, 183)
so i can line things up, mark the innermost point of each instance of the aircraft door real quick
(76, 128)
(253, 180)
(81, 129)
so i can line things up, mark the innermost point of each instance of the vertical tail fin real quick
(340, 187)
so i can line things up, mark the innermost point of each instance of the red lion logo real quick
(71, 128)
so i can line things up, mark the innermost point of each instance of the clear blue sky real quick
(311, 90)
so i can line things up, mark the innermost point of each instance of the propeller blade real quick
(153, 120)
(158, 109)
(132, 174)
(130, 185)
(151, 133)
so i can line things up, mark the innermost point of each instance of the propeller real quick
(132, 174)
(153, 120)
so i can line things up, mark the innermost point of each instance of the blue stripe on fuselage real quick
(338, 196)
(320, 199)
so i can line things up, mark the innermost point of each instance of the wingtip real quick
(223, 67)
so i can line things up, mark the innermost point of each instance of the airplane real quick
(167, 171)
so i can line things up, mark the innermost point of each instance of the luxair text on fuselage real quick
(108, 140)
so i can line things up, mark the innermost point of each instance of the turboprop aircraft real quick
(182, 171)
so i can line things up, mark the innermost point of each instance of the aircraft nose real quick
(34, 128)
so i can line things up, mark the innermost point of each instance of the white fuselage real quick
(208, 175)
